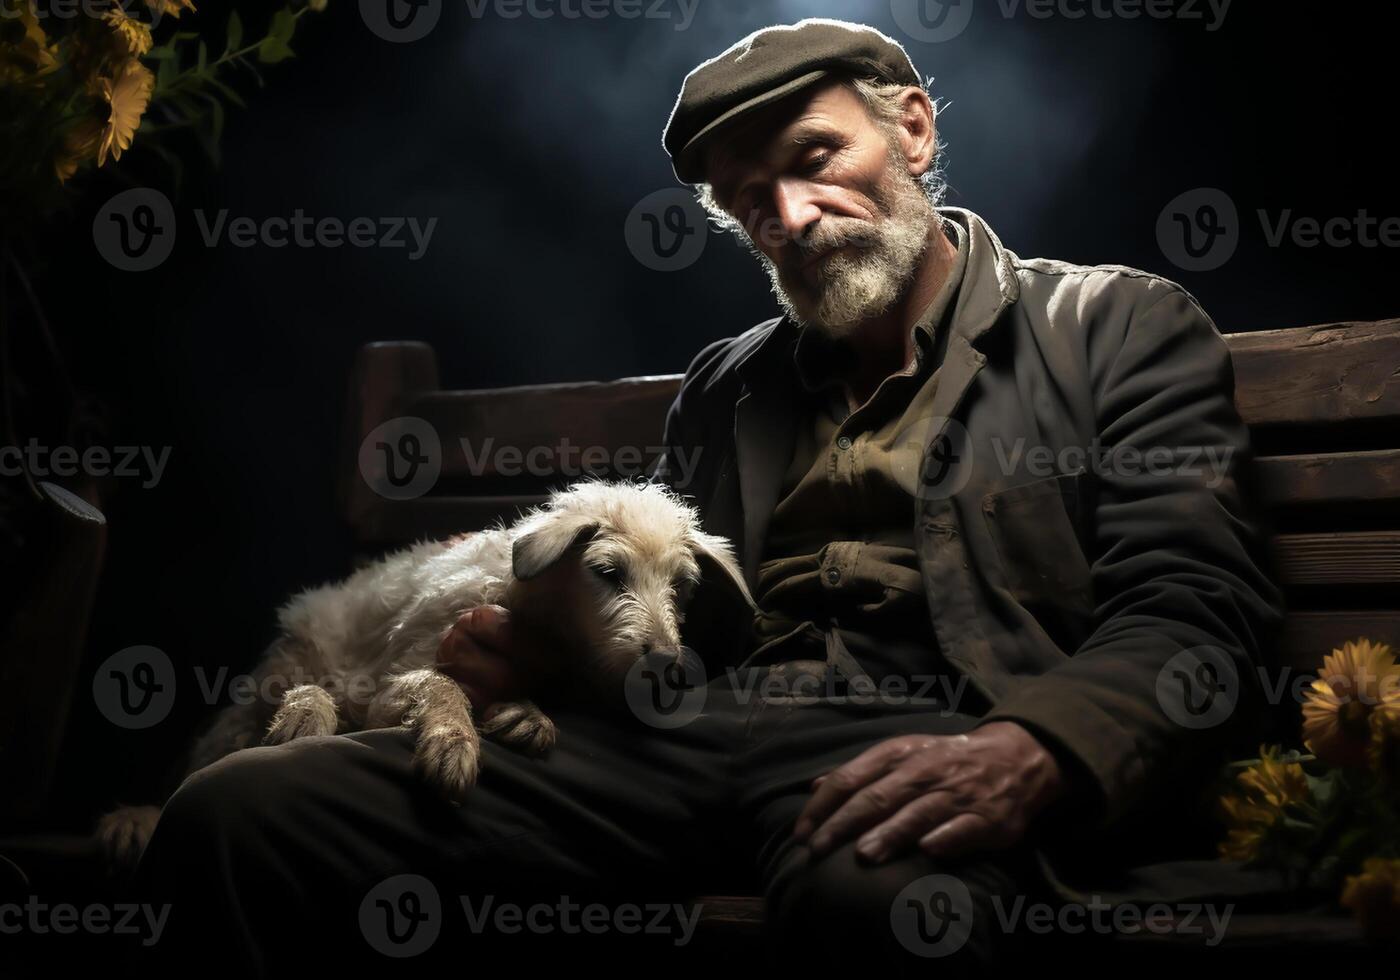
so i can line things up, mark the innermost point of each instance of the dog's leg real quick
(448, 751)
(306, 710)
(522, 725)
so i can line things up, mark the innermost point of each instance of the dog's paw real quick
(521, 725)
(448, 757)
(306, 710)
(123, 834)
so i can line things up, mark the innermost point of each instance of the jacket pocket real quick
(1041, 556)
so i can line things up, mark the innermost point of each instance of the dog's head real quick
(613, 565)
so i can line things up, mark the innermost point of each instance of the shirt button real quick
(844, 442)
(833, 575)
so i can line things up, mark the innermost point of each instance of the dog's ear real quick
(537, 549)
(715, 556)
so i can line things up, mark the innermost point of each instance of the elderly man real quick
(989, 511)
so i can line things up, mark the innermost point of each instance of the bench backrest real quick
(1323, 404)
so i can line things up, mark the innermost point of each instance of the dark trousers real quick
(331, 850)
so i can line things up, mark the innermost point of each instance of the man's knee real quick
(908, 913)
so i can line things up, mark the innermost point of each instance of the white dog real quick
(598, 576)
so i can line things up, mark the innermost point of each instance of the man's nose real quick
(796, 207)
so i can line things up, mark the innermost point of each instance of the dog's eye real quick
(608, 573)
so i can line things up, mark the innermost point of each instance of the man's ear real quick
(918, 130)
(535, 550)
(715, 555)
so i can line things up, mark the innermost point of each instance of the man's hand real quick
(479, 654)
(947, 794)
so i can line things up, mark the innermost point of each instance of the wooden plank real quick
(399, 522)
(1308, 636)
(1341, 558)
(1315, 478)
(1329, 373)
(609, 428)
(735, 914)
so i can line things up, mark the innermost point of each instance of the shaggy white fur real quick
(361, 653)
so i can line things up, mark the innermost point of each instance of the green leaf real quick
(203, 61)
(227, 91)
(273, 49)
(164, 52)
(283, 26)
(233, 34)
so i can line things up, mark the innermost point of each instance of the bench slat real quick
(1348, 558)
(1330, 478)
(1328, 373)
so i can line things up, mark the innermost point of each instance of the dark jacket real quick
(1080, 598)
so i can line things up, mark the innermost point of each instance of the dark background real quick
(531, 140)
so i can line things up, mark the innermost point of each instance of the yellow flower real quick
(129, 31)
(173, 7)
(1374, 895)
(1265, 791)
(80, 143)
(128, 94)
(29, 53)
(1383, 754)
(1352, 683)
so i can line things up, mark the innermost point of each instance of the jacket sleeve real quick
(684, 435)
(1168, 678)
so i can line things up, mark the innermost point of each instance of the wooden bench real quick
(1322, 402)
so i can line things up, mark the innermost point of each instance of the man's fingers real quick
(489, 626)
(841, 782)
(900, 832)
(963, 834)
(864, 809)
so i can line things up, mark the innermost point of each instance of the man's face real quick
(830, 204)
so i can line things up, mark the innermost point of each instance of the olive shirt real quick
(840, 545)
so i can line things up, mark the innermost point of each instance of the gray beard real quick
(865, 281)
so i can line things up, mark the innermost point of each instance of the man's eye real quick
(816, 162)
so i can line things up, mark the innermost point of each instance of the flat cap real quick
(769, 65)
